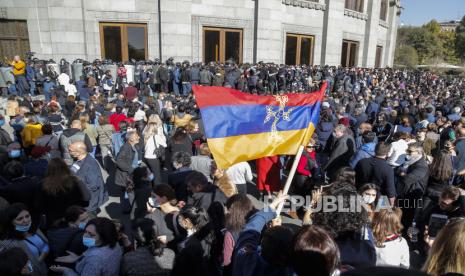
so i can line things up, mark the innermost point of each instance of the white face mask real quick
(368, 199)
(190, 232)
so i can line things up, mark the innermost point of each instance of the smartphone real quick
(436, 223)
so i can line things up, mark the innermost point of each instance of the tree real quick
(433, 27)
(425, 43)
(448, 45)
(460, 39)
(406, 55)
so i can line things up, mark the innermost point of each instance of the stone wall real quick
(70, 28)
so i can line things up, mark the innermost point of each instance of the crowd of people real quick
(391, 138)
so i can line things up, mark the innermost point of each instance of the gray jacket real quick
(104, 134)
(98, 261)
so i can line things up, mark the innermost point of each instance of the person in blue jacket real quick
(366, 151)
(266, 254)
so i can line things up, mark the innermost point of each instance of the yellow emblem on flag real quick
(276, 115)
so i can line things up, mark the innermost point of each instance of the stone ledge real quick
(383, 24)
(3, 14)
(355, 14)
(309, 4)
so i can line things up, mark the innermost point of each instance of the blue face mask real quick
(82, 225)
(14, 153)
(88, 242)
(2, 122)
(23, 228)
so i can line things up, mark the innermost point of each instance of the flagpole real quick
(290, 177)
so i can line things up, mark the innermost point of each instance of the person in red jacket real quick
(117, 117)
(269, 175)
(302, 184)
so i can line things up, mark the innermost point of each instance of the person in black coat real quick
(142, 178)
(177, 179)
(127, 160)
(202, 193)
(377, 171)
(340, 149)
(412, 181)
(194, 252)
(66, 234)
(87, 169)
(20, 188)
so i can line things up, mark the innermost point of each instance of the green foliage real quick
(460, 39)
(432, 44)
(426, 44)
(406, 55)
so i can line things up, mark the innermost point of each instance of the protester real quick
(385, 138)
(391, 248)
(18, 230)
(103, 254)
(60, 189)
(87, 169)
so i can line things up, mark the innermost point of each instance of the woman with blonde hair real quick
(155, 145)
(90, 130)
(447, 254)
(391, 248)
(222, 181)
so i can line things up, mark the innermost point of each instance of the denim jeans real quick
(32, 87)
(22, 86)
(186, 88)
(176, 88)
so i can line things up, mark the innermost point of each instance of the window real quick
(221, 44)
(122, 42)
(299, 49)
(384, 10)
(14, 39)
(355, 5)
(379, 53)
(349, 53)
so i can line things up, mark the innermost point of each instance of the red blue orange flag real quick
(241, 127)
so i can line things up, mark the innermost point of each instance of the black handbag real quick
(159, 151)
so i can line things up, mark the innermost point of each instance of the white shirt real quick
(139, 115)
(394, 253)
(396, 155)
(150, 145)
(71, 89)
(240, 173)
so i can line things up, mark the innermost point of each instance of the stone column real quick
(391, 35)
(332, 33)
(371, 33)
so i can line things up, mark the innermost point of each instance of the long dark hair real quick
(145, 233)
(180, 135)
(198, 216)
(8, 215)
(240, 207)
(441, 169)
(58, 178)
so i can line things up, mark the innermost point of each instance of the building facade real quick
(449, 26)
(347, 32)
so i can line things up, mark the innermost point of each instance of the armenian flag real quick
(241, 127)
